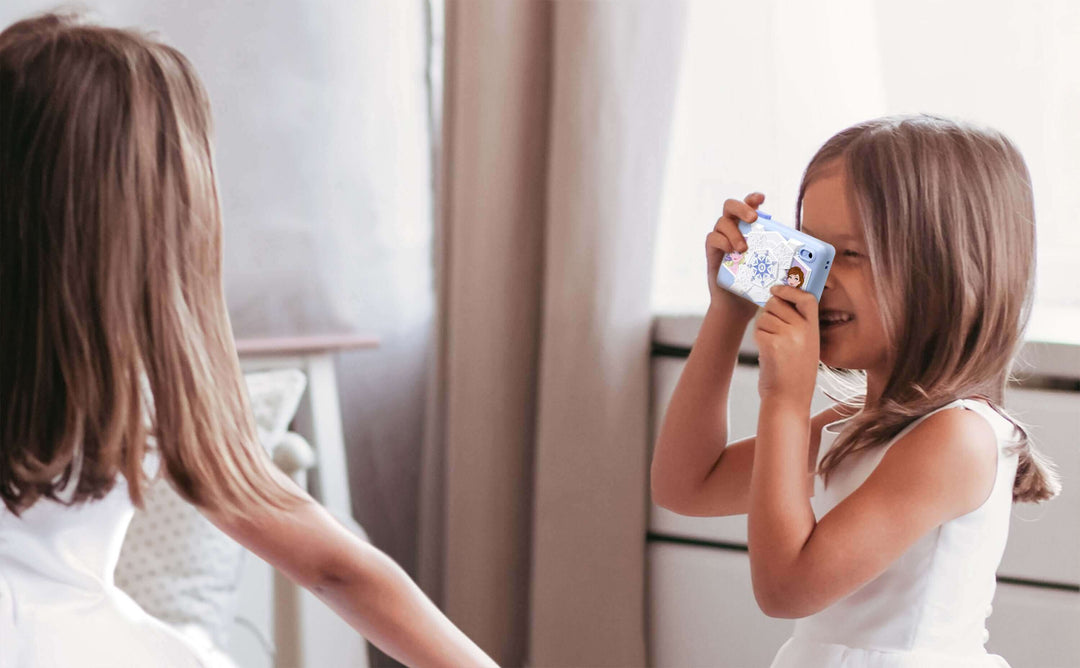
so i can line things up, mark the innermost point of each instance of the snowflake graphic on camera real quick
(763, 268)
(765, 263)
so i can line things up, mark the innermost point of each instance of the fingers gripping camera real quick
(776, 254)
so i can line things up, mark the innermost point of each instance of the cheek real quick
(859, 288)
(864, 344)
(867, 314)
(872, 341)
(870, 311)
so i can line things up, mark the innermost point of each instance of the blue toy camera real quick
(776, 255)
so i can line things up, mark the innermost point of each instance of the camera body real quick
(776, 254)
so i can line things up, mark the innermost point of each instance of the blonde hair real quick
(110, 276)
(948, 215)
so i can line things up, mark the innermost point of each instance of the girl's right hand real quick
(725, 238)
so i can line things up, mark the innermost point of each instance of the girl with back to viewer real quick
(110, 279)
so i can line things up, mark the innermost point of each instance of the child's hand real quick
(788, 343)
(727, 238)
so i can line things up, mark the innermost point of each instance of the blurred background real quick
(793, 74)
(512, 197)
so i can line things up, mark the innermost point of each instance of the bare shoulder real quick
(951, 456)
(941, 469)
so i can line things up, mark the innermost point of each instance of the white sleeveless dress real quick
(929, 609)
(58, 604)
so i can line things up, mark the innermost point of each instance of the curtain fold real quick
(614, 75)
(555, 130)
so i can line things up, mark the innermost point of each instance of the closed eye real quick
(851, 253)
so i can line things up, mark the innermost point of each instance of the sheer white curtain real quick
(764, 84)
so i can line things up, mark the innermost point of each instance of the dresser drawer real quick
(1034, 626)
(1044, 539)
(702, 610)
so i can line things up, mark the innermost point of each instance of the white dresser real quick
(701, 605)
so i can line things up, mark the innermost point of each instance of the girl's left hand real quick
(789, 343)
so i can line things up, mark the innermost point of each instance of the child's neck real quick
(875, 384)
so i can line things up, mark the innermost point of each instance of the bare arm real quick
(724, 487)
(363, 585)
(694, 470)
(800, 566)
(694, 432)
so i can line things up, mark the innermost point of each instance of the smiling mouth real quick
(833, 319)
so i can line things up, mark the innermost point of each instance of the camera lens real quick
(810, 254)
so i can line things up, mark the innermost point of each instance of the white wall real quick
(764, 84)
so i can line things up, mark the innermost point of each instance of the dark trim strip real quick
(1028, 382)
(1053, 383)
(654, 537)
(682, 352)
(1060, 586)
(666, 350)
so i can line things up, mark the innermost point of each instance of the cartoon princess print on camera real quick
(732, 261)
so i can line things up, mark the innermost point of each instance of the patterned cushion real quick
(177, 565)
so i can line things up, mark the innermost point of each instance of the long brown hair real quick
(110, 276)
(948, 215)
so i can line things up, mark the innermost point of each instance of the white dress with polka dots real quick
(929, 608)
(59, 606)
